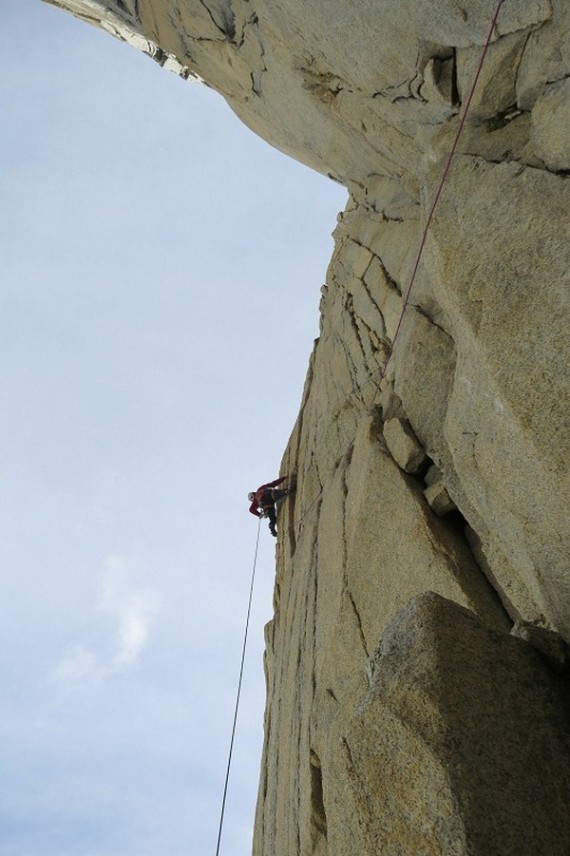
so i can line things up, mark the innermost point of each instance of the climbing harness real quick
(230, 753)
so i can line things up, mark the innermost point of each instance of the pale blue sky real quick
(159, 298)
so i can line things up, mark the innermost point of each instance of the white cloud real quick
(133, 609)
(78, 665)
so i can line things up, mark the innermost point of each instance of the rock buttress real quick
(385, 704)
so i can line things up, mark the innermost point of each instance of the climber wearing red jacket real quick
(264, 498)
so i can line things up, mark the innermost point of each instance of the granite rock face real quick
(462, 720)
(431, 513)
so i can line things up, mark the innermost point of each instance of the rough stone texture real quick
(550, 131)
(403, 445)
(462, 721)
(438, 499)
(451, 738)
(549, 644)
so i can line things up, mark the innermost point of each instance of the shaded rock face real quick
(449, 477)
(464, 721)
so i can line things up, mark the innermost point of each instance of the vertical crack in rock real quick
(346, 592)
(358, 624)
(318, 821)
(349, 307)
(362, 800)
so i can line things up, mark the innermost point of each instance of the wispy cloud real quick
(76, 666)
(134, 610)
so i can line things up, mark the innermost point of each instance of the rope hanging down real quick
(444, 178)
(225, 793)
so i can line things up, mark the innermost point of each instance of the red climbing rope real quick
(444, 177)
(442, 182)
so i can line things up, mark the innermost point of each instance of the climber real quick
(263, 500)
